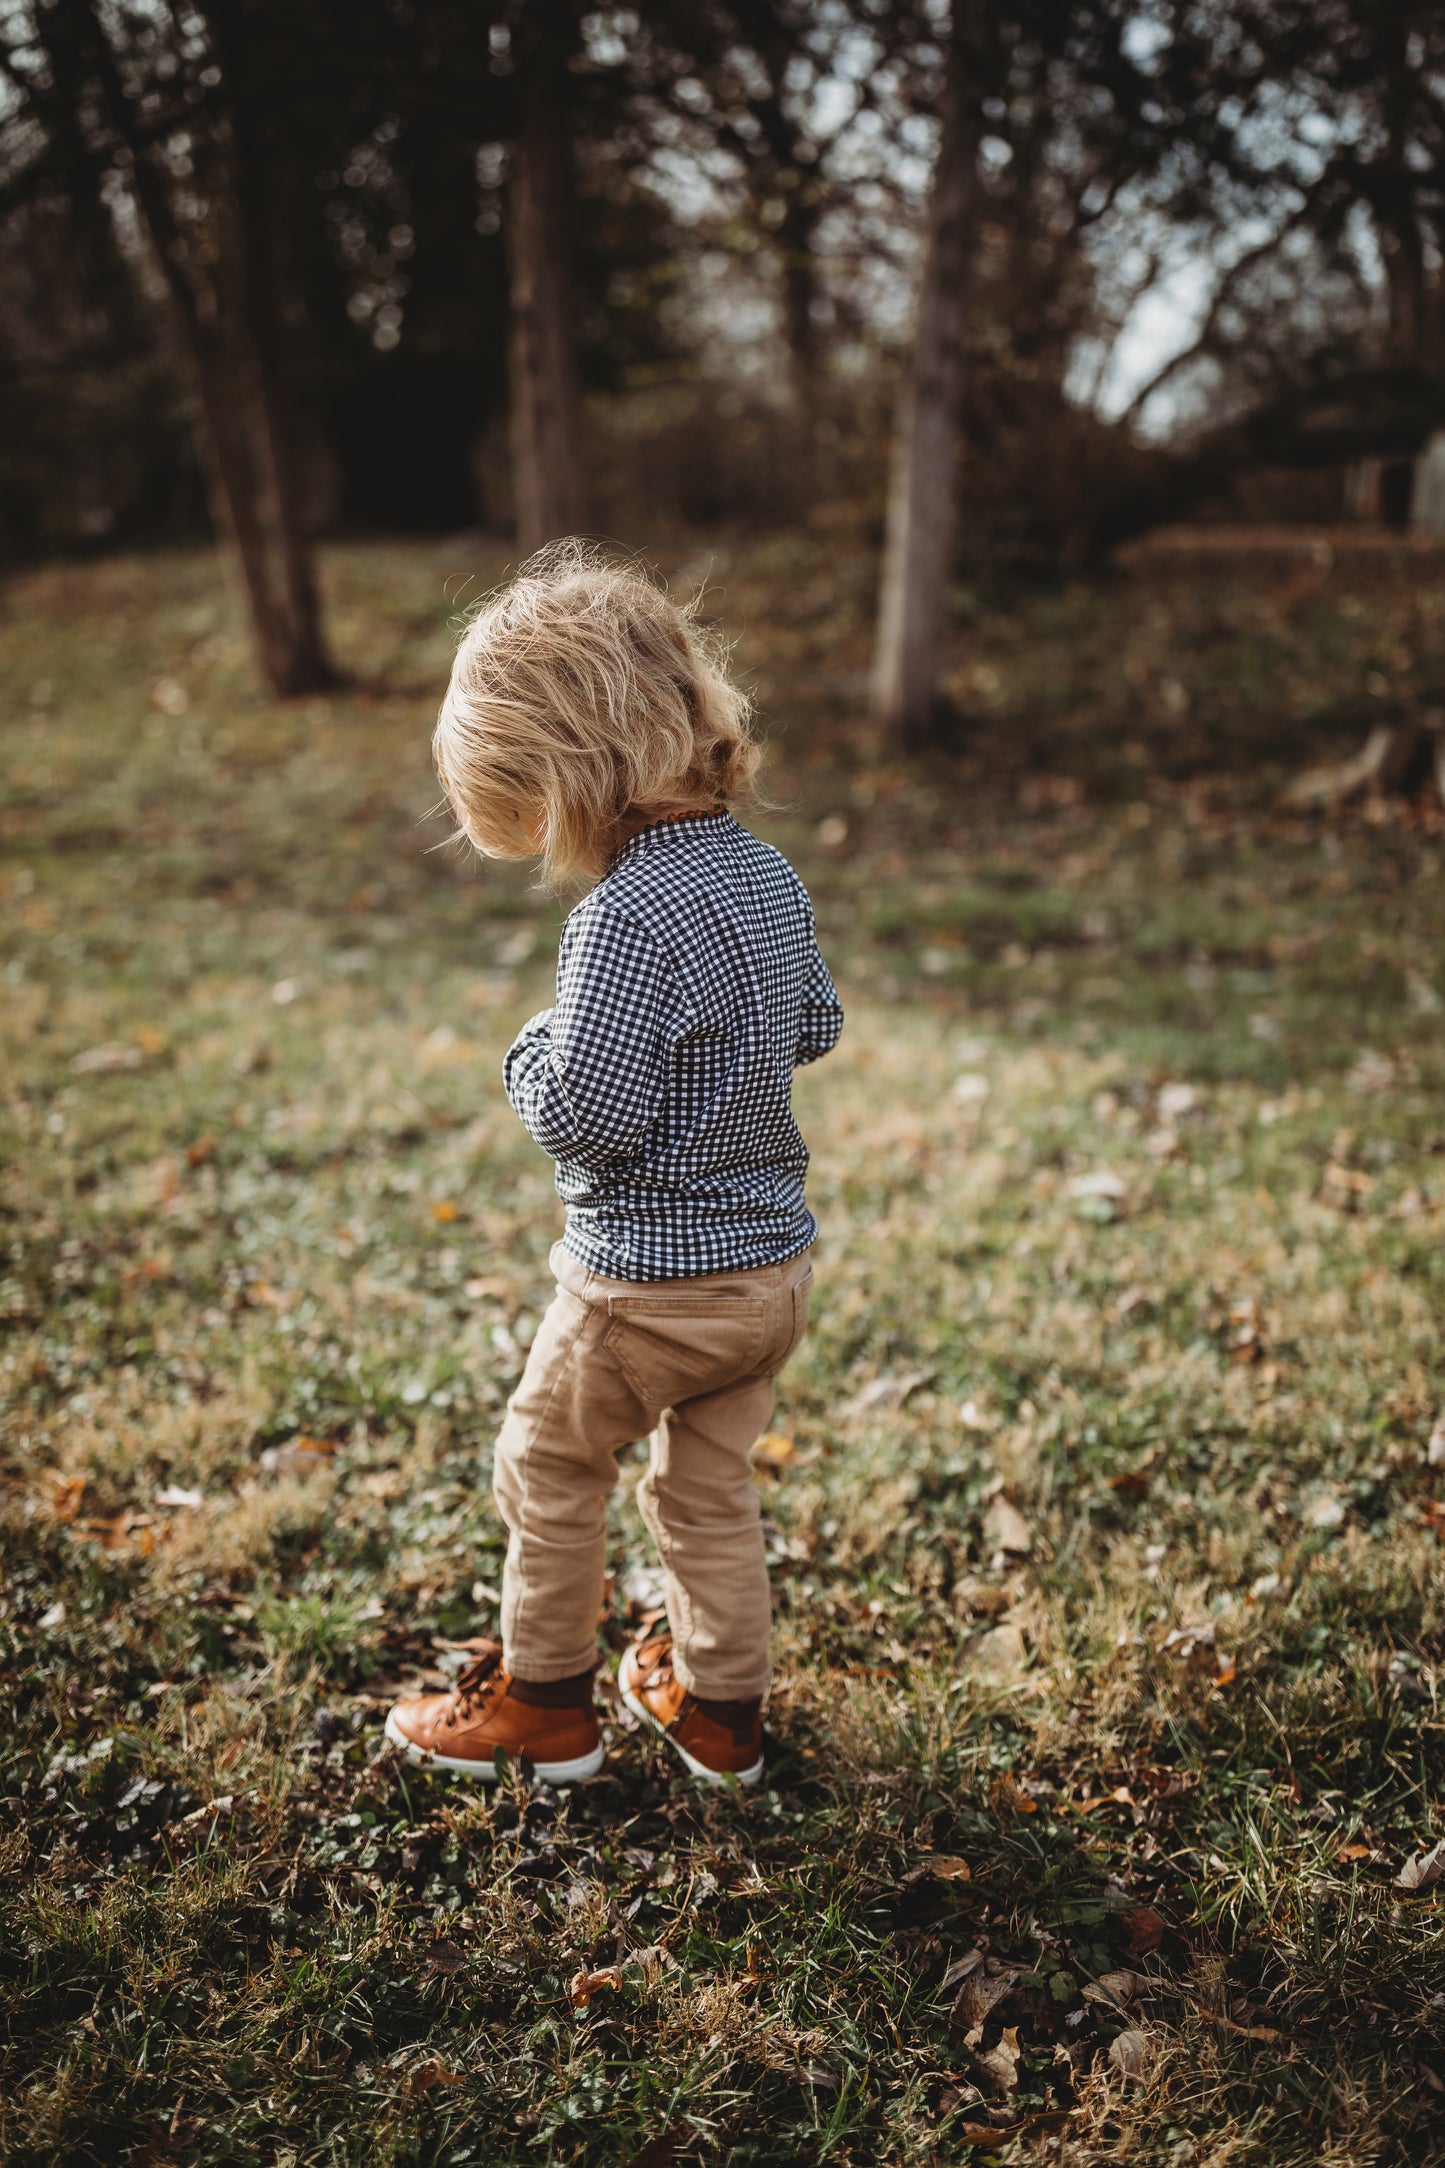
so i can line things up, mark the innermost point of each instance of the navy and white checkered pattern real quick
(689, 987)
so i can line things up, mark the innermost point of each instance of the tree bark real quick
(797, 246)
(271, 420)
(541, 209)
(922, 502)
(252, 488)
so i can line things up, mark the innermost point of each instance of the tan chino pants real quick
(691, 1362)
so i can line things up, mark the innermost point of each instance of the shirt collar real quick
(655, 831)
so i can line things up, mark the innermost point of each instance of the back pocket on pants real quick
(674, 1346)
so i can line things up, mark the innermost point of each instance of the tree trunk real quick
(1394, 192)
(541, 212)
(253, 495)
(271, 427)
(797, 246)
(922, 501)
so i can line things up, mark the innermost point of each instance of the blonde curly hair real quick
(582, 702)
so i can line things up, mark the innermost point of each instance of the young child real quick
(590, 724)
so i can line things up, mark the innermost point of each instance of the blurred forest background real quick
(990, 293)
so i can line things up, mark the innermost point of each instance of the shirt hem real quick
(612, 1268)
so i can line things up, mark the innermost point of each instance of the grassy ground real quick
(1106, 1531)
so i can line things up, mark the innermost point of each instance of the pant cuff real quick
(710, 1686)
(541, 1670)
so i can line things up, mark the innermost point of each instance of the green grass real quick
(260, 1186)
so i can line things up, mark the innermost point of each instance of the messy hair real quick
(582, 697)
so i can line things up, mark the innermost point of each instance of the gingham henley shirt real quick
(689, 987)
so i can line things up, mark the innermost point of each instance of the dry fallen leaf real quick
(431, 2073)
(1422, 1871)
(1102, 1196)
(1102, 1183)
(1243, 1340)
(960, 1970)
(1348, 1852)
(99, 1060)
(1145, 1930)
(652, 1961)
(644, 1591)
(949, 1869)
(584, 1985)
(299, 1456)
(273, 1298)
(1000, 2065)
(1009, 1793)
(980, 1598)
(1168, 1782)
(115, 1532)
(67, 1496)
(977, 1996)
(1251, 2032)
(212, 1807)
(1005, 1529)
(1116, 1988)
(1001, 1653)
(886, 1391)
(444, 1956)
(997, 2134)
(1129, 2053)
(772, 1451)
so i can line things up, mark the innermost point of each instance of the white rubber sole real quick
(626, 1685)
(485, 1772)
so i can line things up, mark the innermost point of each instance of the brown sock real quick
(573, 1693)
(738, 1716)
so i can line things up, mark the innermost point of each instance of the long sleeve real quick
(527, 1053)
(820, 1019)
(587, 1077)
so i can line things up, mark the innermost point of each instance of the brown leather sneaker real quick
(485, 1710)
(716, 1739)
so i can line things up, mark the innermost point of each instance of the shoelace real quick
(658, 1671)
(474, 1687)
